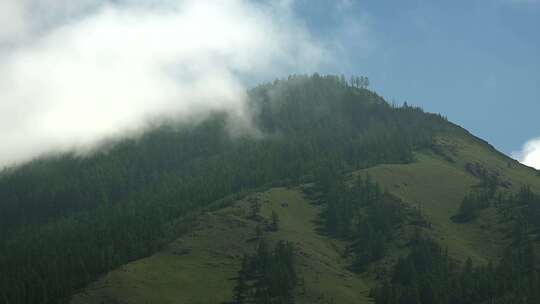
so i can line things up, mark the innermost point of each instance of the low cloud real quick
(75, 74)
(530, 153)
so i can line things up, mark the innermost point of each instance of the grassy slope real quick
(437, 186)
(206, 274)
(322, 265)
(474, 150)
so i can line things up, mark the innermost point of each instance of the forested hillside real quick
(66, 220)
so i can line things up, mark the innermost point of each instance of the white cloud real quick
(12, 21)
(530, 153)
(73, 75)
(21, 19)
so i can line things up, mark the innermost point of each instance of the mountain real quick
(340, 197)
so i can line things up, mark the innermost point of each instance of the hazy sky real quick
(73, 73)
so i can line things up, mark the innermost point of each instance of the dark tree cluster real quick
(361, 213)
(374, 230)
(471, 205)
(429, 275)
(274, 221)
(522, 211)
(66, 220)
(267, 276)
(482, 197)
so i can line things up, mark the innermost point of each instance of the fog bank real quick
(76, 72)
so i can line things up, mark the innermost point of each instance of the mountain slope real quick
(432, 183)
(380, 179)
(201, 266)
(438, 186)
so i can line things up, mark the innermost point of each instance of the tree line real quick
(429, 275)
(484, 194)
(65, 220)
(357, 210)
(267, 276)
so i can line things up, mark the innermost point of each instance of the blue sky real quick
(477, 62)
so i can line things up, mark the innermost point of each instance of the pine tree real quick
(274, 225)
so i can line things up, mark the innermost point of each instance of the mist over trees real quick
(65, 220)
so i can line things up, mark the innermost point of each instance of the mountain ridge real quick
(67, 221)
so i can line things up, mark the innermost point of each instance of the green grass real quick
(438, 186)
(471, 150)
(206, 274)
(322, 266)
